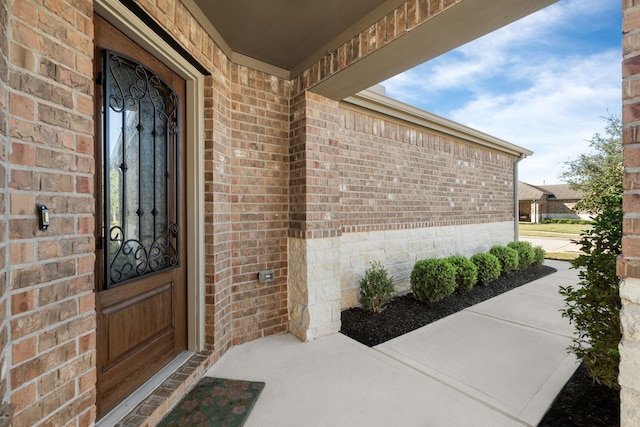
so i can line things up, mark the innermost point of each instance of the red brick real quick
(56, 182)
(23, 204)
(87, 303)
(631, 112)
(22, 253)
(631, 203)
(58, 398)
(84, 185)
(84, 145)
(24, 397)
(24, 301)
(436, 6)
(631, 21)
(65, 374)
(86, 264)
(423, 10)
(22, 154)
(87, 381)
(631, 247)
(87, 343)
(22, 106)
(26, 36)
(86, 225)
(26, 11)
(24, 350)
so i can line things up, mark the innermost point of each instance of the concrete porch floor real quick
(499, 363)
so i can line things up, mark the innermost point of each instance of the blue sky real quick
(543, 83)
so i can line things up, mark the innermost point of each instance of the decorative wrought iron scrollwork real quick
(140, 117)
(134, 259)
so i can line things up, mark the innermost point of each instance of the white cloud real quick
(555, 116)
(528, 83)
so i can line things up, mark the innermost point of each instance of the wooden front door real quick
(141, 256)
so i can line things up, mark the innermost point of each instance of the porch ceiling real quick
(284, 37)
(285, 32)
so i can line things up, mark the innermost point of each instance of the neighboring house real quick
(265, 179)
(537, 203)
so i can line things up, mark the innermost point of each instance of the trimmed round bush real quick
(489, 267)
(508, 258)
(376, 288)
(538, 255)
(433, 279)
(525, 253)
(466, 272)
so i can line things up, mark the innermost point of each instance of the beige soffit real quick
(374, 101)
(286, 37)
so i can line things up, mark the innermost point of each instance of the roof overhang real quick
(374, 101)
(285, 37)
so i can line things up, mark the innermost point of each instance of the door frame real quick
(124, 20)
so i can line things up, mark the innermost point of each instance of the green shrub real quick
(593, 306)
(489, 267)
(376, 288)
(508, 258)
(538, 255)
(433, 279)
(565, 221)
(466, 272)
(525, 253)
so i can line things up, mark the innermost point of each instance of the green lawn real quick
(561, 256)
(571, 231)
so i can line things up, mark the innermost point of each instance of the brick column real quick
(314, 230)
(49, 159)
(5, 408)
(629, 264)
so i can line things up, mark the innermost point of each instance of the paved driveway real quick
(552, 244)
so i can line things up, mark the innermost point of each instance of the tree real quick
(593, 306)
(600, 171)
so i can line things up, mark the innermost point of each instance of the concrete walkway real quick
(499, 363)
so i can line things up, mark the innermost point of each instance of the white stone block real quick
(328, 291)
(630, 319)
(629, 408)
(630, 364)
(630, 290)
(320, 315)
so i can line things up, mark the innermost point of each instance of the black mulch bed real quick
(404, 314)
(580, 403)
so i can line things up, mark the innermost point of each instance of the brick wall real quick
(259, 201)
(5, 409)
(408, 193)
(564, 207)
(314, 167)
(218, 229)
(50, 161)
(629, 264)
(394, 175)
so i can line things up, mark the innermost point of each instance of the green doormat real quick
(215, 402)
